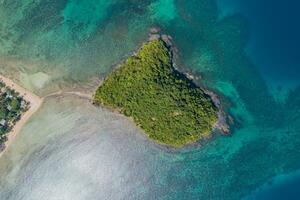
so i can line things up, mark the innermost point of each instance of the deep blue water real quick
(282, 187)
(274, 39)
(275, 49)
(275, 29)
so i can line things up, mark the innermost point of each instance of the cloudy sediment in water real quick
(87, 149)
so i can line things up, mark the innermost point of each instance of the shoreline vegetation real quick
(217, 119)
(165, 103)
(33, 103)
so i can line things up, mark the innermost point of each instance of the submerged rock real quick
(221, 124)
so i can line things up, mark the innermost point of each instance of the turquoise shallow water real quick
(48, 45)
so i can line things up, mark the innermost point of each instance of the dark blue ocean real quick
(246, 51)
(275, 30)
(275, 49)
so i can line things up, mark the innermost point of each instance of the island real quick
(166, 104)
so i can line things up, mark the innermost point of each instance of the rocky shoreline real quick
(222, 124)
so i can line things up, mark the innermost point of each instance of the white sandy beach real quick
(35, 103)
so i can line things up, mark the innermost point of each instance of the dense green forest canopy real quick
(168, 106)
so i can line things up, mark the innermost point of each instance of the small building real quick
(9, 107)
(23, 104)
(9, 96)
(2, 122)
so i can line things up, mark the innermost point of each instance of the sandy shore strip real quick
(35, 103)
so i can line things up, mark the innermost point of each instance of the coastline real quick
(222, 124)
(35, 103)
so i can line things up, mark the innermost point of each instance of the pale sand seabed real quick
(35, 103)
(44, 79)
(70, 146)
